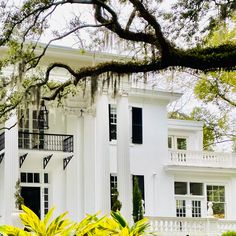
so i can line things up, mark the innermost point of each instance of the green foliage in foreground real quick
(90, 225)
(229, 233)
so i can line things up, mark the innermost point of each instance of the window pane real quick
(169, 142)
(196, 208)
(180, 208)
(30, 177)
(219, 210)
(216, 194)
(46, 178)
(112, 122)
(196, 188)
(23, 177)
(180, 188)
(181, 143)
(36, 178)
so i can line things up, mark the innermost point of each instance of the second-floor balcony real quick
(47, 142)
(201, 159)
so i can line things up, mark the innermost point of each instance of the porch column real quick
(89, 163)
(74, 170)
(123, 157)
(102, 155)
(11, 168)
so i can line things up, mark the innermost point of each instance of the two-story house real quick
(89, 148)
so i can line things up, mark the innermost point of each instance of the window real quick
(216, 195)
(29, 177)
(181, 188)
(46, 178)
(170, 141)
(180, 208)
(24, 139)
(179, 143)
(196, 189)
(137, 129)
(28, 130)
(112, 122)
(113, 189)
(140, 184)
(37, 140)
(45, 193)
(196, 208)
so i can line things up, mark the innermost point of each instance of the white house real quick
(90, 148)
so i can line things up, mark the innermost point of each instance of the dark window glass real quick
(30, 178)
(112, 122)
(140, 184)
(181, 143)
(196, 188)
(169, 142)
(45, 197)
(46, 178)
(46, 190)
(180, 188)
(23, 177)
(180, 208)
(137, 129)
(36, 178)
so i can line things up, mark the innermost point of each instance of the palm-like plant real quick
(117, 225)
(34, 226)
(89, 226)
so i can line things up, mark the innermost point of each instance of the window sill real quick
(114, 143)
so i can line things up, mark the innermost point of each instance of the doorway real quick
(31, 197)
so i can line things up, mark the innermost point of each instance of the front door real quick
(31, 197)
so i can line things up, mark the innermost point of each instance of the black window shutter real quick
(137, 129)
(109, 109)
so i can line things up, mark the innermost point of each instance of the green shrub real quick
(229, 233)
(63, 226)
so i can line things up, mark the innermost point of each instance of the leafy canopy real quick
(157, 35)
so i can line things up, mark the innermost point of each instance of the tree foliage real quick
(137, 201)
(157, 36)
(62, 225)
(215, 128)
(216, 92)
(219, 87)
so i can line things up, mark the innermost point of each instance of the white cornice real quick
(199, 170)
(155, 94)
(175, 124)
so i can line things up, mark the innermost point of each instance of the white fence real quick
(178, 226)
(201, 158)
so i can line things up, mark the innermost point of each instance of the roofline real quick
(158, 94)
(74, 52)
(185, 124)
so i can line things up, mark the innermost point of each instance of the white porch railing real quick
(200, 158)
(165, 226)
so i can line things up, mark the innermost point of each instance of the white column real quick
(89, 164)
(123, 157)
(74, 174)
(79, 149)
(11, 168)
(102, 155)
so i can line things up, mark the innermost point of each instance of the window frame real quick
(174, 143)
(217, 202)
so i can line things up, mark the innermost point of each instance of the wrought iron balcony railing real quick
(2, 141)
(48, 142)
